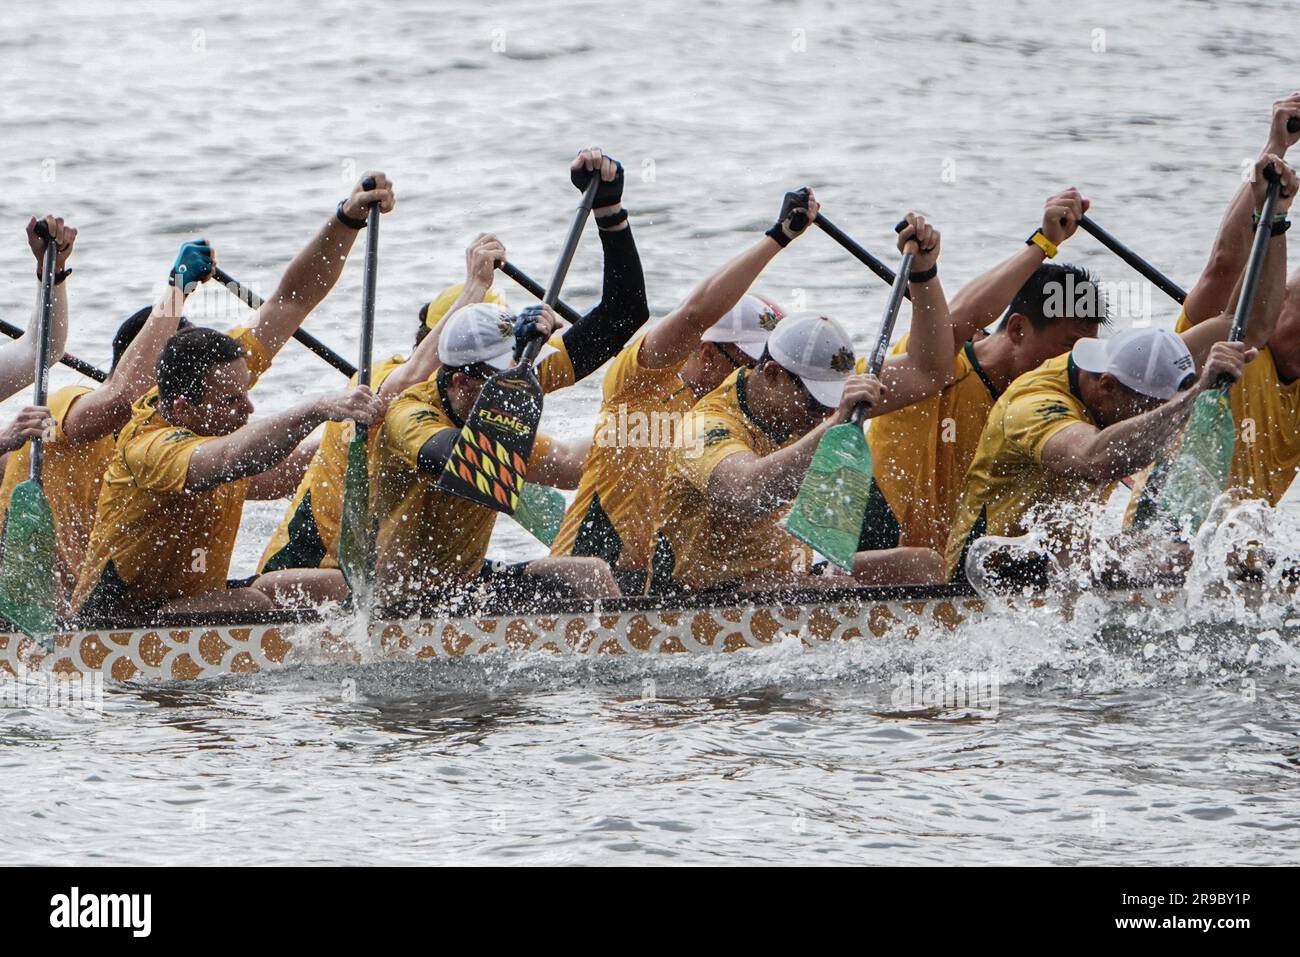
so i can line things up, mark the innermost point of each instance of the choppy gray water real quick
(148, 123)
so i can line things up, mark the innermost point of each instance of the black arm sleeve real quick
(435, 452)
(602, 333)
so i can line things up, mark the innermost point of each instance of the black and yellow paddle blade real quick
(1199, 472)
(540, 512)
(356, 530)
(827, 513)
(489, 461)
(27, 575)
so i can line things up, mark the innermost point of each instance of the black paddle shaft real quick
(552, 294)
(1150, 272)
(1255, 266)
(857, 251)
(251, 299)
(877, 360)
(42, 380)
(534, 287)
(367, 346)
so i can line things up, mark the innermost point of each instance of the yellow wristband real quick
(1043, 243)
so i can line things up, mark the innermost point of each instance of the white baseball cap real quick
(746, 324)
(480, 332)
(817, 350)
(1153, 362)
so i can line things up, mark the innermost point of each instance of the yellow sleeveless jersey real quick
(431, 541)
(308, 534)
(1007, 479)
(920, 455)
(153, 542)
(699, 546)
(616, 509)
(71, 477)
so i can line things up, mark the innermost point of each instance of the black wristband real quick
(58, 276)
(1279, 227)
(777, 233)
(347, 220)
(925, 275)
(612, 220)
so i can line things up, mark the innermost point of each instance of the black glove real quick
(607, 193)
(794, 216)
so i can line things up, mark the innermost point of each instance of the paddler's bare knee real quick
(587, 577)
(303, 587)
(899, 566)
(228, 600)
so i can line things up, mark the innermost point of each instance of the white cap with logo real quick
(480, 332)
(746, 324)
(817, 350)
(1153, 362)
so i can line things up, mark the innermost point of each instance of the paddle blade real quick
(1199, 473)
(356, 531)
(832, 501)
(488, 463)
(540, 512)
(27, 576)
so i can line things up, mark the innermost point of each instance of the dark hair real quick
(1059, 291)
(424, 329)
(129, 329)
(187, 359)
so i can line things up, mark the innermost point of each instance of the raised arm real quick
(1085, 452)
(264, 443)
(747, 484)
(481, 259)
(926, 367)
(1211, 295)
(672, 340)
(108, 408)
(316, 269)
(981, 301)
(18, 358)
(1272, 281)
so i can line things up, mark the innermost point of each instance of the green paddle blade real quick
(27, 576)
(1199, 474)
(540, 512)
(832, 501)
(356, 533)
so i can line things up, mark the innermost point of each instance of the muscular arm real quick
(672, 341)
(747, 484)
(108, 408)
(1085, 452)
(926, 367)
(282, 480)
(258, 446)
(1263, 314)
(18, 358)
(982, 300)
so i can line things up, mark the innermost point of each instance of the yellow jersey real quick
(919, 458)
(71, 477)
(1007, 480)
(430, 542)
(154, 542)
(308, 534)
(615, 512)
(698, 545)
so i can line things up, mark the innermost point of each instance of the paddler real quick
(432, 545)
(652, 384)
(300, 563)
(744, 449)
(920, 454)
(18, 357)
(174, 489)
(1061, 435)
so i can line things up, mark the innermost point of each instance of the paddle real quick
(27, 575)
(1148, 271)
(532, 286)
(832, 500)
(857, 251)
(1199, 473)
(356, 534)
(71, 361)
(488, 463)
(254, 301)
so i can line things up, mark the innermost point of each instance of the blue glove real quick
(526, 328)
(607, 193)
(194, 264)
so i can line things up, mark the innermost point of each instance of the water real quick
(151, 123)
